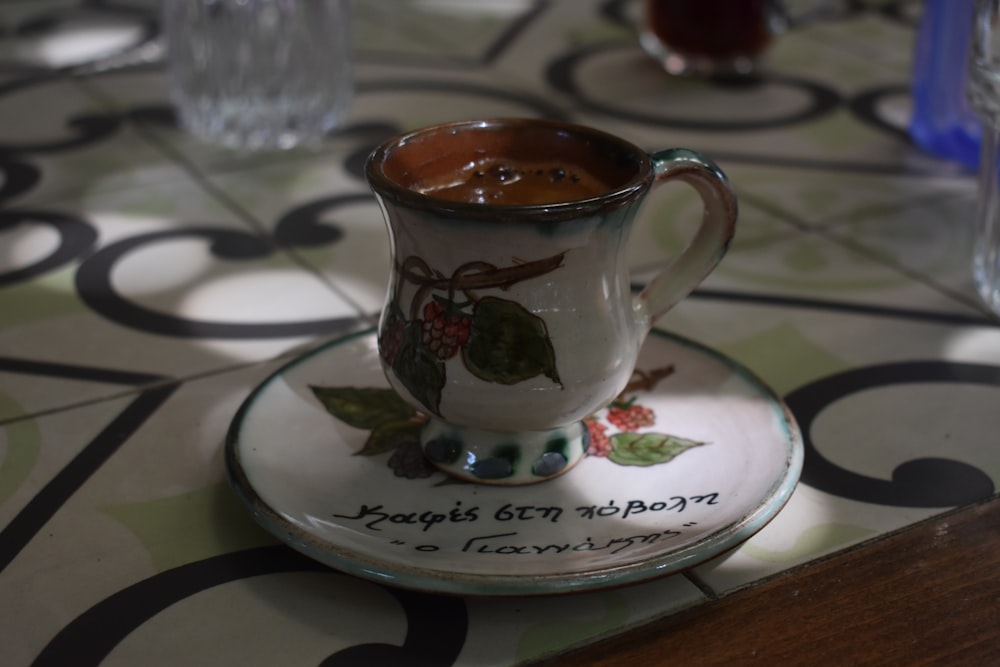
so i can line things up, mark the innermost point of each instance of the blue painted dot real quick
(549, 464)
(495, 468)
(443, 450)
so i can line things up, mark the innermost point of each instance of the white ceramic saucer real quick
(719, 461)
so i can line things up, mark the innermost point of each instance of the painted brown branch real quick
(413, 266)
(468, 268)
(482, 279)
(647, 380)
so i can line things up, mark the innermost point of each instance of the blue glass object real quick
(942, 122)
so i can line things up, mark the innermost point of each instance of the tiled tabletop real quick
(148, 283)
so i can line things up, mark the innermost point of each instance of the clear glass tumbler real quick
(260, 74)
(983, 92)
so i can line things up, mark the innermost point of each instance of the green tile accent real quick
(46, 297)
(549, 637)
(784, 357)
(190, 526)
(814, 540)
(23, 447)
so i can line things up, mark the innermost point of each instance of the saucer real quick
(690, 461)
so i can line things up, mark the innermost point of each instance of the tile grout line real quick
(836, 166)
(825, 233)
(32, 416)
(854, 308)
(900, 205)
(211, 189)
(944, 290)
(201, 180)
(164, 381)
(803, 225)
(701, 585)
(846, 549)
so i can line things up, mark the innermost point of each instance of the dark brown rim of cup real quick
(390, 169)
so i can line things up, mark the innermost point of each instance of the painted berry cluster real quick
(627, 417)
(444, 317)
(444, 333)
(622, 431)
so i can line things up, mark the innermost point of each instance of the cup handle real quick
(710, 242)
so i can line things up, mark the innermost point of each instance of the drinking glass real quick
(983, 91)
(723, 38)
(710, 37)
(259, 74)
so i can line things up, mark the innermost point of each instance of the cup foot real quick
(512, 459)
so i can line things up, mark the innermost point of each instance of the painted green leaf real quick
(419, 370)
(646, 449)
(388, 437)
(507, 344)
(364, 408)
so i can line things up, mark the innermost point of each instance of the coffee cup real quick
(509, 315)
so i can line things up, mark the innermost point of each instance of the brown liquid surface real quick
(514, 183)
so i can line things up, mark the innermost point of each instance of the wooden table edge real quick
(927, 594)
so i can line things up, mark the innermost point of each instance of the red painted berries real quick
(391, 339)
(600, 443)
(630, 417)
(626, 417)
(443, 334)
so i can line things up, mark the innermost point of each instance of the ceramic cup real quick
(509, 316)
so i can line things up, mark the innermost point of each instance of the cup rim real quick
(384, 186)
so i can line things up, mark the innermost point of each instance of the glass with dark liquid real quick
(710, 37)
